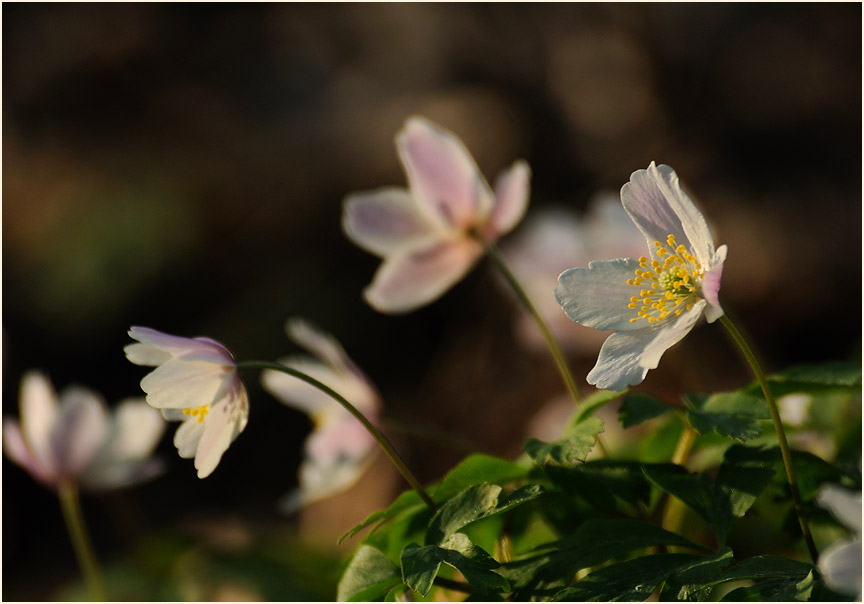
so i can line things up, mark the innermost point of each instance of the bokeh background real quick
(182, 166)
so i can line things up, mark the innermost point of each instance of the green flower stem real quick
(673, 512)
(498, 260)
(781, 434)
(374, 431)
(70, 504)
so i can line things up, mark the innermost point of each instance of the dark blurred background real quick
(182, 166)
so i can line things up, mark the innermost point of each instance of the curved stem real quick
(498, 260)
(781, 434)
(673, 512)
(70, 504)
(370, 427)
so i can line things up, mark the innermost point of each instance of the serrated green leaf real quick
(420, 565)
(595, 542)
(781, 590)
(630, 581)
(745, 472)
(691, 582)
(571, 450)
(606, 485)
(405, 501)
(639, 408)
(593, 402)
(733, 414)
(474, 503)
(811, 378)
(765, 567)
(477, 469)
(369, 576)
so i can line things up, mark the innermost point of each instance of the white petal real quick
(404, 283)
(659, 207)
(442, 175)
(39, 414)
(193, 349)
(512, 191)
(627, 356)
(146, 354)
(18, 451)
(223, 423)
(188, 436)
(180, 384)
(387, 221)
(80, 431)
(136, 430)
(840, 565)
(319, 343)
(711, 286)
(598, 296)
(845, 504)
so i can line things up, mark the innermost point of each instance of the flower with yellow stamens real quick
(650, 302)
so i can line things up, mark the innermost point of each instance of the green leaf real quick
(630, 581)
(606, 485)
(477, 469)
(593, 402)
(765, 567)
(691, 582)
(420, 565)
(639, 408)
(405, 501)
(571, 450)
(369, 576)
(781, 590)
(733, 414)
(745, 472)
(474, 503)
(595, 542)
(811, 378)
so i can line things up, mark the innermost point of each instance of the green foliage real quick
(369, 576)
(420, 564)
(733, 414)
(571, 449)
(639, 408)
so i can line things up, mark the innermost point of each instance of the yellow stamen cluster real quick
(667, 285)
(199, 411)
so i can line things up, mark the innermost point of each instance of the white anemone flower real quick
(840, 564)
(74, 438)
(196, 382)
(339, 449)
(424, 233)
(650, 302)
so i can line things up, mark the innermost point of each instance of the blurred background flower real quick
(183, 165)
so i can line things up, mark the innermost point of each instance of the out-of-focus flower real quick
(196, 382)
(339, 449)
(424, 233)
(840, 564)
(553, 239)
(653, 302)
(74, 439)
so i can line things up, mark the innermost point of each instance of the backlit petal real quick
(181, 384)
(404, 283)
(627, 356)
(188, 436)
(442, 174)
(80, 431)
(843, 503)
(387, 221)
(598, 296)
(711, 286)
(135, 431)
(512, 191)
(223, 424)
(193, 349)
(840, 566)
(39, 414)
(659, 207)
(18, 451)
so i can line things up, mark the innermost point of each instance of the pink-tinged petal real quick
(404, 283)
(193, 349)
(321, 344)
(135, 431)
(81, 430)
(442, 175)
(711, 286)
(598, 296)
(659, 207)
(225, 421)
(512, 191)
(180, 384)
(39, 414)
(304, 397)
(387, 221)
(627, 356)
(18, 451)
(188, 436)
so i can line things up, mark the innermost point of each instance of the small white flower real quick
(339, 449)
(196, 382)
(651, 302)
(840, 564)
(424, 233)
(76, 439)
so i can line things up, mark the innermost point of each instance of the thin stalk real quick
(370, 427)
(498, 260)
(781, 433)
(70, 504)
(673, 512)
